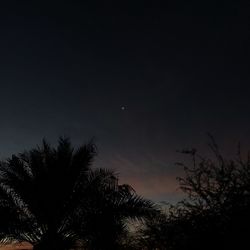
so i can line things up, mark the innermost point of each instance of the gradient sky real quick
(145, 79)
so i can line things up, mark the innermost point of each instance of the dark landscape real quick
(124, 125)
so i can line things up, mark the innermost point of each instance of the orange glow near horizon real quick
(17, 246)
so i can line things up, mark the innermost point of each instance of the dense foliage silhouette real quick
(216, 212)
(52, 198)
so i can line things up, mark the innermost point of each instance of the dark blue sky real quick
(180, 70)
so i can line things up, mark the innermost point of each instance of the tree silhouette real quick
(215, 214)
(219, 199)
(51, 198)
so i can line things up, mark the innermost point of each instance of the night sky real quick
(144, 79)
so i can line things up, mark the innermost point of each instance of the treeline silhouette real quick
(53, 198)
(216, 212)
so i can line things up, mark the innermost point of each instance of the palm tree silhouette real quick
(51, 198)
